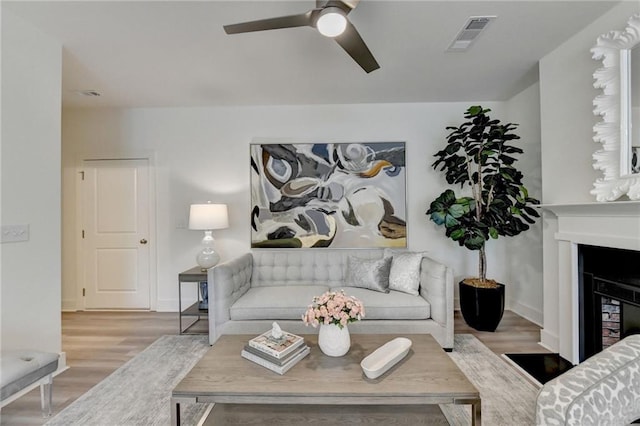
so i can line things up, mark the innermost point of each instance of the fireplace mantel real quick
(615, 208)
(613, 224)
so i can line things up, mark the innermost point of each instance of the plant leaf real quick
(438, 217)
(493, 232)
(480, 155)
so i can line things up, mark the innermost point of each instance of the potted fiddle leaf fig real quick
(480, 156)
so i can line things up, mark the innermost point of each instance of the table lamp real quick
(207, 217)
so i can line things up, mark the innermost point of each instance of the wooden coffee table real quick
(425, 376)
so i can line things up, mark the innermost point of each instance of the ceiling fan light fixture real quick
(332, 22)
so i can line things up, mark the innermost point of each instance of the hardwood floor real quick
(97, 343)
(514, 334)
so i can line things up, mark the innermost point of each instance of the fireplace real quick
(609, 297)
(568, 227)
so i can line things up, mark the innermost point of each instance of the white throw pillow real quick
(372, 274)
(405, 271)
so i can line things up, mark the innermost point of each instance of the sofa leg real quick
(448, 349)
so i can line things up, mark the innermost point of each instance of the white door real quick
(116, 234)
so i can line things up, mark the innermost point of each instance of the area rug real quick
(507, 397)
(139, 392)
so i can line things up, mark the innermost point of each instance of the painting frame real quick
(341, 195)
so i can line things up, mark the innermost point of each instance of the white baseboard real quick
(523, 310)
(171, 305)
(69, 305)
(167, 305)
(527, 312)
(549, 341)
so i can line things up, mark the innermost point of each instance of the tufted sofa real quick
(602, 390)
(248, 293)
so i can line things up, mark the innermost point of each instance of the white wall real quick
(524, 253)
(566, 104)
(31, 110)
(203, 154)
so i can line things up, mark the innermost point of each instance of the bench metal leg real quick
(46, 390)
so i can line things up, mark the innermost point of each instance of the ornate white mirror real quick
(633, 161)
(619, 110)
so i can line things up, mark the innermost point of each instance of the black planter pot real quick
(482, 308)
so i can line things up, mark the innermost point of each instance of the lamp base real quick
(204, 295)
(207, 258)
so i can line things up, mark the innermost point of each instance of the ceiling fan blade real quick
(302, 20)
(353, 44)
(351, 3)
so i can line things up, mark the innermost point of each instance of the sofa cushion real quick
(372, 274)
(394, 305)
(275, 302)
(404, 275)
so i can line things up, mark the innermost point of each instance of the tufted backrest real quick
(304, 266)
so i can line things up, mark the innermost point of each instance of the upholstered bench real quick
(19, 369)
(602, 390)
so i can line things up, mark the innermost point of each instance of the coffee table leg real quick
(476, 409)
(175, 408)
(476, 413)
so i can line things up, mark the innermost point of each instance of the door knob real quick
(143, 241)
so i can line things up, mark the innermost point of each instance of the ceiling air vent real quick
(469, 32)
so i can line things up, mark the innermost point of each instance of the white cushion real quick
(405, 271)
(394, 305)
(371, 274)
(275, 302)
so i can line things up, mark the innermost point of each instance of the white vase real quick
(333, 340)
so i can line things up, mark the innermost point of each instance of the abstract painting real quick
(338, 195)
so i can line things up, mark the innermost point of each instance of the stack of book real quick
(278, 355)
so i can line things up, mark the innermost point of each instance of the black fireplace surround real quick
(609, 296)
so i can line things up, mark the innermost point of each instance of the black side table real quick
(196, 311)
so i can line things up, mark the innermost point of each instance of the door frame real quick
(150, 157)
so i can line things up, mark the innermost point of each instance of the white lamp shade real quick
(208, 216)
(332, 22)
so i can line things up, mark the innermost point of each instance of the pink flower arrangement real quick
(333, 308)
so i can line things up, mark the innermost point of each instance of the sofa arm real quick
(436, 287)
(229, 281)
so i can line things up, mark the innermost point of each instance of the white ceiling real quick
(175, 53)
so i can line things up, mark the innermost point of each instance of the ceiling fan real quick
(330, 18)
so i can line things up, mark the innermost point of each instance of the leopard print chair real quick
(603, 390)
